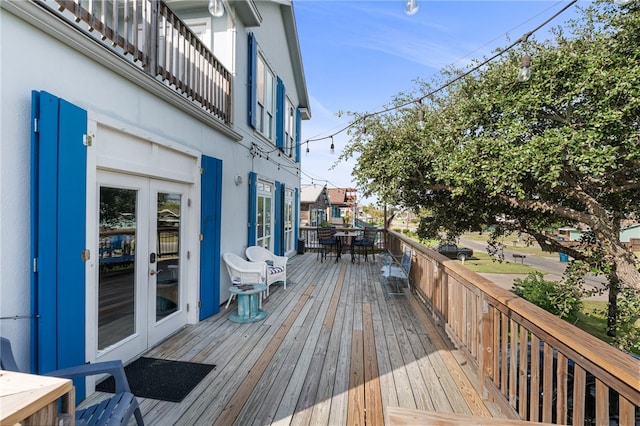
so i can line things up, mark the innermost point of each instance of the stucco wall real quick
(33, 60)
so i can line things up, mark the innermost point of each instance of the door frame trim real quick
(192, 223)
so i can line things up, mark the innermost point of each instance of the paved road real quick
(550, 266)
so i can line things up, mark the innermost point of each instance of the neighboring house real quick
(569, 233)
(629, 233)
(136, 149)
(343, 205)
(314, 202)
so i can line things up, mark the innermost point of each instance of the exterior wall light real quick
(216, 8)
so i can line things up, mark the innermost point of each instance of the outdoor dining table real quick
(343, 239)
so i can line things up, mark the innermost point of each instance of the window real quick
(265, 93)
(289, 132)
(288, 220)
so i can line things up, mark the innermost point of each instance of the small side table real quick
(32, 399)
(248, 304)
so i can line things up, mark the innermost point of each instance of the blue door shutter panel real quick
(45, 151)
(296, 218)
(210, 225)
(280, 113)
(253, 209)
(58, 220)
(278, 219)
(298, 130)
(252, 80)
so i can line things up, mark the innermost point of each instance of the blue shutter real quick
(252, 80)
(296, 218)
(58, 218)
(298, 130)
(253, 212)
(280, 113)
(278, 228)
(210, 225)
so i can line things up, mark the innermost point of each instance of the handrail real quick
(579, 377)
(155, 40)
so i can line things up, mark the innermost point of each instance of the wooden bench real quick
(517, 256)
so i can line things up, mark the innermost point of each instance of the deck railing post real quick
(152, 31)
(487, 352)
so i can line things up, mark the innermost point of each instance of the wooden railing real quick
(531, 363)
(154, 39)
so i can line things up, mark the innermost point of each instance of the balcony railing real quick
(154, 39)
(527, 360)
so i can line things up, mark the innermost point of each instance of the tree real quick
(561, 148)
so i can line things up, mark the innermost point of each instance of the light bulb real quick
(332, 150)
(411, 7)
(216, 9)
(525, 68)
(420, 120)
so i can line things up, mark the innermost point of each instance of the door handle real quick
(153, 272)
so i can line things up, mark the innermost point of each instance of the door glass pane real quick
(116, 278)
(168, 255)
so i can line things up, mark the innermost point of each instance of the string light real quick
(525, 68)
(420, 116)
(411, 7)
(332, 150)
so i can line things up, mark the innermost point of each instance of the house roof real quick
(342, 196)
(314, 194)
(291, 29)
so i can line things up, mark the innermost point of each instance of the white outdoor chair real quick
(242, 271)
(276, 265)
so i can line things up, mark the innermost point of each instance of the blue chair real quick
(116, 410)
(367, 242)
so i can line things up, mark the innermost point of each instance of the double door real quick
(140, 286)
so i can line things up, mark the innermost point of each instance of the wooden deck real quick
(333, 350)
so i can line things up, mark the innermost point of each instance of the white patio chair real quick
(242, 271)
(276, 265)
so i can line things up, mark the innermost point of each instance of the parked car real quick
(453, 251)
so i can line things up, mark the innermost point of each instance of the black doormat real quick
(161, 379)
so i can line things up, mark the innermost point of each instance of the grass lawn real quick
(483, 263)
(593, 319)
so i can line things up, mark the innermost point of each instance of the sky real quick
(358, 54)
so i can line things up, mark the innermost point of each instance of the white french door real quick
(140, 291)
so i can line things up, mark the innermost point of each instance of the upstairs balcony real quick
(156, 42)
(456, 349)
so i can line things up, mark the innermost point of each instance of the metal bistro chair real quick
(116, 410)
(276, 265)
(327, 240)
(367, 242)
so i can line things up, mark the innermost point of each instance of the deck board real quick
(334, 350)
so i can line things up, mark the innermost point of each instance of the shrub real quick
(560, 298)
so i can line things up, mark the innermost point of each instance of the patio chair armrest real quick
(113, 368)
(280, 261)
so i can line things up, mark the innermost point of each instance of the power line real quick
(522, 39)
